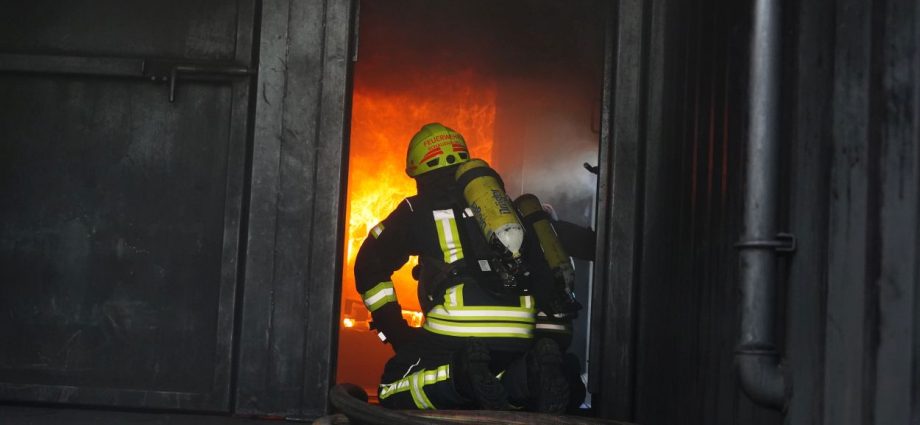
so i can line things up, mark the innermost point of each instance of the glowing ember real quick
(382, 125)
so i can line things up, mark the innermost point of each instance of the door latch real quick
(170, 72)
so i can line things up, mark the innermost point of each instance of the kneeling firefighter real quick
(557, 312)
(477, 275)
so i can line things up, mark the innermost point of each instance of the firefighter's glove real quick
(389, 321)
(403, 336)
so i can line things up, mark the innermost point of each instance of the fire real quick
(382, 124)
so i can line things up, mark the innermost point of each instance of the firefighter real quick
(476, 348)
(558, 239)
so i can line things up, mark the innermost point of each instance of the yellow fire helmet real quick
(433, 147)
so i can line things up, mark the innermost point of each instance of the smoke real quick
(546, 130)
(542, 57)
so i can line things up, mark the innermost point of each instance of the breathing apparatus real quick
(562, 301)
(498, 221)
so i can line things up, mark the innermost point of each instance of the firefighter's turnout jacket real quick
(453, 290)
(437, 229)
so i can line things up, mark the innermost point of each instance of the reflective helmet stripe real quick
(431, 154)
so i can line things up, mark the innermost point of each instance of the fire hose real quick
(351, 401)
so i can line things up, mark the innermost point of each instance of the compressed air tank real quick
(493, 209)
(559, 299)
(559, 261)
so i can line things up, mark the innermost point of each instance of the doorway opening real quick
(521, 80)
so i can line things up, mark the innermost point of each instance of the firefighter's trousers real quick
(419, 375)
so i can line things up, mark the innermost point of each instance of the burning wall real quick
(382, 124)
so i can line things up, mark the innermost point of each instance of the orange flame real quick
(382, 124)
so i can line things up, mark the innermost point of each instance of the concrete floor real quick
(29, 415)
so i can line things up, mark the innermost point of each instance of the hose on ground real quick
(351, 401)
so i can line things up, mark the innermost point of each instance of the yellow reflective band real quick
(527, 301)
(379, 295)
(394, 388)
(487, 330)
(484, 314)
(413, 391)
(377, 230)
(418, 393)
(448, 236)
(415, 384)
(440, 374)
(454, 296)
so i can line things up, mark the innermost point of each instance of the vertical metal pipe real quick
(757, 360)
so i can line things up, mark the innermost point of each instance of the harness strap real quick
(534, 217)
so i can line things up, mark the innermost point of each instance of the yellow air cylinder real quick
(491, 206)
(559, 261)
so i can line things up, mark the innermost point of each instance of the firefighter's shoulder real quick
(400, 215)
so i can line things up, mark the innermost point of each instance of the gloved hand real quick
(403, 336)
(388, 319)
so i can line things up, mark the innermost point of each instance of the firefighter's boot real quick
(549, 389)
(474, 380)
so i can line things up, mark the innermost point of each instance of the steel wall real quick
(670, 196)
(166, 248)
(672, 191)
(871, 143)
(296, 215)
(121, 212)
